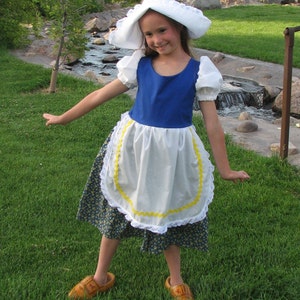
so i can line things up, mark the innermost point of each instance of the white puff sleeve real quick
(209, 80)
(127, 68)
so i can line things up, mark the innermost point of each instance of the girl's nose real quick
(157, 39)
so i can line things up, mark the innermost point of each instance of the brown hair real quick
(184, 37)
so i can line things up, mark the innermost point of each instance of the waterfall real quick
(240, 92)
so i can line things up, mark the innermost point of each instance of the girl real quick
(152, 177)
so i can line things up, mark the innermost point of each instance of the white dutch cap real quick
(128, 34)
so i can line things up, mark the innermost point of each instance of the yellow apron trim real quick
(155, 214)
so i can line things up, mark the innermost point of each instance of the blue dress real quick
(152, 177)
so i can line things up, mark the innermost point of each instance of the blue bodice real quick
(165, 101)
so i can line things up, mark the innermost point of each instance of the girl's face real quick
(161, 35)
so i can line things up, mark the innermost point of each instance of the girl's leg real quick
(108, 248)
(172, 256)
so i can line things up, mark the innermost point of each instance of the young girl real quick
(152, 177)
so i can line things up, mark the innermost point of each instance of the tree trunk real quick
(52, 87)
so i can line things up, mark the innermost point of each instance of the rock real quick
(266, 76)
(114, 22)
(102, 21)
(98, 24)
(110, 59)
(99, 41)
(271, 93)
(65, 62)
(204, 4)
(247, 126)
(293, 121)
(295, 100)
(275, 148)
(240, 91)
(105, 74)
(218, 57)
(246, 69)
(70, 60)
(244, 116)
(106, 35)
(90, 75)
(95, 34)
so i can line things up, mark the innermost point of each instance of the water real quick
(259, 113)
(242, 95)
(92, 60)
(236, 91)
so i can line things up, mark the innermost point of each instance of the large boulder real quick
(98, 24)
(247, 126)
(204, 4)
(102, 21)
(295, 100)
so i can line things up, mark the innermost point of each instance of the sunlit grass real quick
(252, 31)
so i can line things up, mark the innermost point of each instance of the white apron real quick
(157, 177)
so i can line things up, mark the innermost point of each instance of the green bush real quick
(14, 16)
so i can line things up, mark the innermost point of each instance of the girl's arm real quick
(88, 103)
(217, 140)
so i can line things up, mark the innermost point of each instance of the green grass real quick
(252, 31)
(254, 227)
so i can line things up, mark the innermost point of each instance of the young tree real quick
(67, 30)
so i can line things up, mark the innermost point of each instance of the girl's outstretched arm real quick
(217, 140)
(88, 103)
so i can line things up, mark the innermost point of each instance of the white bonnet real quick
(128, 34)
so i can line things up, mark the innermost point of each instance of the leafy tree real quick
(14, 18)
(67, 30)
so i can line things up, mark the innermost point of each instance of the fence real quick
(289, 34)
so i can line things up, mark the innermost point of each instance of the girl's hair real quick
(184, 38)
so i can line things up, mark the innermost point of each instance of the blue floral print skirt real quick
(94, 208)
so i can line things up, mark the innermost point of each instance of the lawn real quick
(254, 236)
(253, 32)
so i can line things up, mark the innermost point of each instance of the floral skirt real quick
(94, 208)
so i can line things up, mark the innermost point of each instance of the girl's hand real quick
(236, 176)
(52, 120)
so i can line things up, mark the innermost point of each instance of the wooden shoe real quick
(87, 288)
(180, 291)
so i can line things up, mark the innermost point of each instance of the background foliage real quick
(15, 16)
